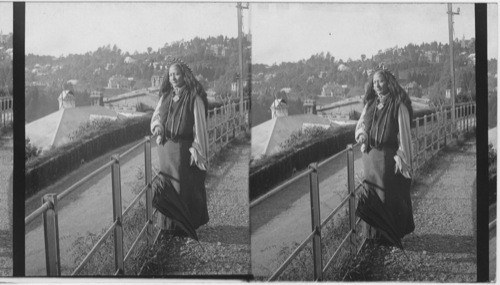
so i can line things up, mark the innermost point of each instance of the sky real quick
(62, 28)
(295, 31)
(6, 17)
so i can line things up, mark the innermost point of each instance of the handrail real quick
(338, 250)
(45, 206)
(463, 120)
(279, 187)
(83, 180)
(94, 248)
(291, 257)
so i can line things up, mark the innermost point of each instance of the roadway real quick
(283, 220)
(6, 165)
(86, 211)
(444, 217)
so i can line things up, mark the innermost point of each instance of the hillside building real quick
(119, 82)
(156, 80)
(332, 90)
(66, 100)
(279, 108)
(309, 107)
(96, 98)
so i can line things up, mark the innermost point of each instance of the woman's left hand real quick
(401, 167)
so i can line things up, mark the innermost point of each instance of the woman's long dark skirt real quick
(393, 189)
(188, 181)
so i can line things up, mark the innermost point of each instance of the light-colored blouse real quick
(403, 154)
(199, 148)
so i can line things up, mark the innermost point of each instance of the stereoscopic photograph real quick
(363, 159)
(137, 139)
(6, 138)
(261, 141)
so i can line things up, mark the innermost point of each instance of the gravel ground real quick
(6, 156)
(225, 240)
(443, 246)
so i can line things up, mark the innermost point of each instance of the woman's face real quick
(380, 84)
(175, 76)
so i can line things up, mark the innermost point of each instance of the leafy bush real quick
(31, 151)
(302, 137)
(492, 173)
(91, 127)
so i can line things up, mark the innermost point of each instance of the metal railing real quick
(492, 224)
(224, 123)
(223, 117)
(317, 224)
(432, 132)
(6, 115)
(438, 130)
(49, 213)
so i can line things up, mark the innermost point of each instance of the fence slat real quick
(352, 201)
(117, 214)
(316, 221)
(148, 174)
(51, 236)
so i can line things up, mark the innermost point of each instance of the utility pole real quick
(452, 63)
(240, 8)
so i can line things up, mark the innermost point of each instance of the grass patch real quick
(103, 263)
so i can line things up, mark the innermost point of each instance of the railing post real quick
(148, 175)
(425, 137)
(117, 213)
(316, 221)
(433, 128)
(352, 197)
(51, 236)
(415, 153)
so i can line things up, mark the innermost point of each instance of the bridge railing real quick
(6, 116)
(437, 128)
(50, 211)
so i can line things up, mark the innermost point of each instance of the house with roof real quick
(279, 108)
(56, 128)
(119, 82)
(268, 137)
(332, 89)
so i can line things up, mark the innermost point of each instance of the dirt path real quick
(443, 246)
(6, 164)
(225, 238)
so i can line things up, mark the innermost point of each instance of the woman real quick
(384, 131)
(179, 121)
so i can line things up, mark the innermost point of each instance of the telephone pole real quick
(452, 63)
(240, 8)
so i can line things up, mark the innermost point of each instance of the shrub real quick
(90, 127)
(31, 151)
(492, 173)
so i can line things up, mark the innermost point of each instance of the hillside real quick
(5, 64)
(422, 68)
(214, 61)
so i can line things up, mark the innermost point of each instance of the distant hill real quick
(425, 65)
(214, 61)
(6, 64)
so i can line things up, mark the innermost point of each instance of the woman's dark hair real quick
(191, 83)
(395, 90)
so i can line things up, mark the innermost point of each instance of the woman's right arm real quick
(360, 126)
(156, 126)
